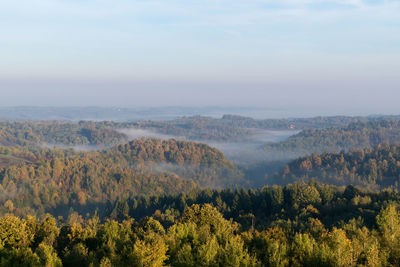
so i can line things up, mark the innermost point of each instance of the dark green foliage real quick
(268, 206)
(203, 237)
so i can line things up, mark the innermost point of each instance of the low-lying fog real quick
(258, 164)
(140, 133)
(258, 136)
(243, 153)
(265, 136)
(246, 152)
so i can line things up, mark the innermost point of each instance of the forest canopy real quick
(102, 199)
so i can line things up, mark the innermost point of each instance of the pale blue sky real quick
(203, 52)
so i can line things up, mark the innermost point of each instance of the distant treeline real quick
(233, 128)
(379, 166)
(229, 128)
(320, 134)
(355, 135)
(86, 133)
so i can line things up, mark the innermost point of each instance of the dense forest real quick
(379, 166)
(261, 163)
(84, 133)
(355, 135)
(233, 128)
(52, 179)
(299, 225)
(107, 133)
(153, 202)
(265, 207)
(319, 134)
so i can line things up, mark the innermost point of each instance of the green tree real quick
(388, 222)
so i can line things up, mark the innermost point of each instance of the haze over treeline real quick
(200, 133)
(305, 57)
(255, 100)
(165, 202)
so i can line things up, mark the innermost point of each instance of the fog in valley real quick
(241, 153)
(133, 133)
(200, 133)
(245, 152)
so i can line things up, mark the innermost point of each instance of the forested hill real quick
(172, 151)
(297, 123)
(205, 165)
(234, 128)
(230, 128)
(106, 133)
(379, 167)
(355, 135)
(84, 133)
(49, 180)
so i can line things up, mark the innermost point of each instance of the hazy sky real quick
(342, 55)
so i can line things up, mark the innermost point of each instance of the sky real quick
(339, 55)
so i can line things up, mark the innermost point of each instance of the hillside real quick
(199, 162)
(229, 128)
(84, 133)
(355, 135)
(234, 128)
(373, 167)
(55, 179)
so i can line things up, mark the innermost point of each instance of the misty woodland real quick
(188, 133)
(302, 192)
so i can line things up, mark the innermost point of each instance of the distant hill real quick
(234, 128)
(355, 135)
(84, 133)
(200, 162)
(230, 128)
(373, 167)
(120, 114)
